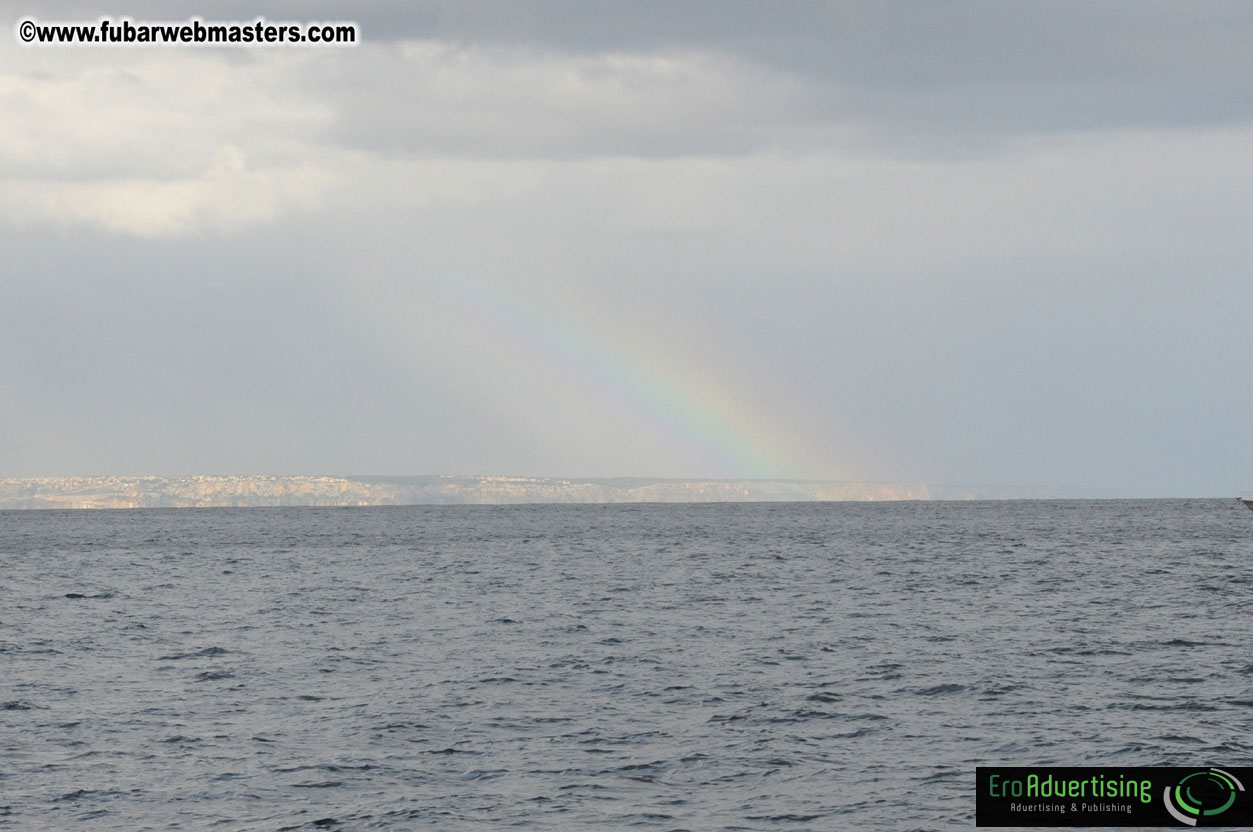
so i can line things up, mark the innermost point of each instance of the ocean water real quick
(651, 667)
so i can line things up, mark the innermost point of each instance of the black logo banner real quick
(1114, 796)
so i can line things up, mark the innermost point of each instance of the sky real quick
(997, 243)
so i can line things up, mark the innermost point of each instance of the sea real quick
(769, 666)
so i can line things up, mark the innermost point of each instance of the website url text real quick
(191, 32)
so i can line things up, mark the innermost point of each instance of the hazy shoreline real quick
(278, 490)
(266, 490)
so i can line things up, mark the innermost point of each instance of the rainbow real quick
(709, 427)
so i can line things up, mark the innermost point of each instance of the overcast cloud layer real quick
(996, 243)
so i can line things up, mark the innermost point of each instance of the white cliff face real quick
(268, 490)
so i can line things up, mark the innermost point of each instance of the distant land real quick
(266, 490)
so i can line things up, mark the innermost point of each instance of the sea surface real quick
(817, 666)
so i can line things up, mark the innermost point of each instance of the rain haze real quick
(999, 243)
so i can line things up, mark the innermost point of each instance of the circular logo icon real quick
(1202, 795)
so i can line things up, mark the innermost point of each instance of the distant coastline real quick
(210, 491)
(272, 490)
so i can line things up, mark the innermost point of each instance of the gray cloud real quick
(902, 78)
(920, 79)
